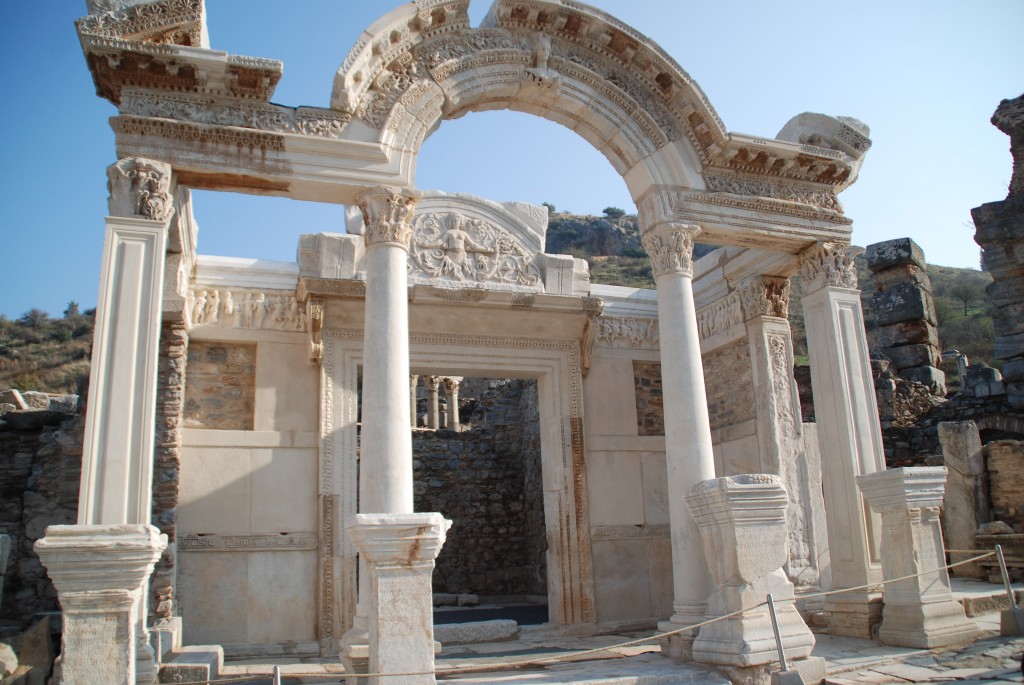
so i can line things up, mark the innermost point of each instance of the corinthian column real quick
(687, 427)
(385, 466)
(432, 384)
(849, 436)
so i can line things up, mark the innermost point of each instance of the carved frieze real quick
(627, 333)
(245, 308)
(822, 197)
(248, 542)
(826, 265)
(720, 316)
(198, 109)
(140, 187)
(454, 248)
(671, 248)
(387, 213)
(169, 21)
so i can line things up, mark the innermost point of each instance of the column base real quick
(748, 640)
(926, 626)
(854, 614)
(809, 671)
(100, 573)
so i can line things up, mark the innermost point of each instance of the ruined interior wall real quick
(40, 470)
(246, 519)
(487, 480)
(1004, 461)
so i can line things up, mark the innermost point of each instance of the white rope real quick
(576, 656)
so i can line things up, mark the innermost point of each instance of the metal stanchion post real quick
(1011, 621)
(277, 675)
(785, 676)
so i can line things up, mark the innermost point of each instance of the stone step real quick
(499, 630)
(193, 663)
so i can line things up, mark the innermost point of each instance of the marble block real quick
(919, 611)
(742, 521)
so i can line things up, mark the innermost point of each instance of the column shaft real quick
(688, 452)
(386, 462)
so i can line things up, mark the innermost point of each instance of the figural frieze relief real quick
(827, 265)
(459, 249)
(140, 187)
(243, 308)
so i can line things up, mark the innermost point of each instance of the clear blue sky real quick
(925, 75)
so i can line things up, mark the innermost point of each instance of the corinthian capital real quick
(140, 187)
(827, 265)
(765, 296)
(387, 213)
(670, 247)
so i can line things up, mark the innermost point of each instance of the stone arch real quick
(1002, 423)
(566, 62)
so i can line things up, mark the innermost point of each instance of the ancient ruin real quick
(248, 477)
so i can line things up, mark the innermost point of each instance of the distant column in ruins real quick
(451, 388)
(432, 383)
(1000, 232)
(908, 331)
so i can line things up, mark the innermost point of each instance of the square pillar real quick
(742, 522)
(398, 551)
(849, 434)
(100, 573)
(919, 611)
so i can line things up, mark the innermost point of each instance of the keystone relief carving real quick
(459, 249)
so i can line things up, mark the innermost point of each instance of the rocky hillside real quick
(47, 354)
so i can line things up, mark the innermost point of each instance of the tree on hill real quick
(34, 318)
(614, 212)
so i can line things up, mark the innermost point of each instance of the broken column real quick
(399, 552)
(918, 611)
(908, 331)
(966, 502)
(1000, 233)
(742, 522)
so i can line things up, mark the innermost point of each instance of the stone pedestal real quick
(688, 450)
(920, 611)
(849, 434)
(742, 522)
(100, 573)
(399, 551)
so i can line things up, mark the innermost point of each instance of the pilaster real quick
(399, 551)
(848, 431)
(688, 451)
(779, 425)
(919, 611)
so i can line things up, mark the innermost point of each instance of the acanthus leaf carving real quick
(816, 197)
(387, 214)
(827, 265)
(670, 247)
(765, 296)
(458, 249)
(140, 187)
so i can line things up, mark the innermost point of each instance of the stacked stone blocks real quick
(1000, 233)
(908, 331)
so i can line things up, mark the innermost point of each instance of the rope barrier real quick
(578, 655)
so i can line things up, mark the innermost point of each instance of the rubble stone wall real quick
(39, 475)
(487, 480)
